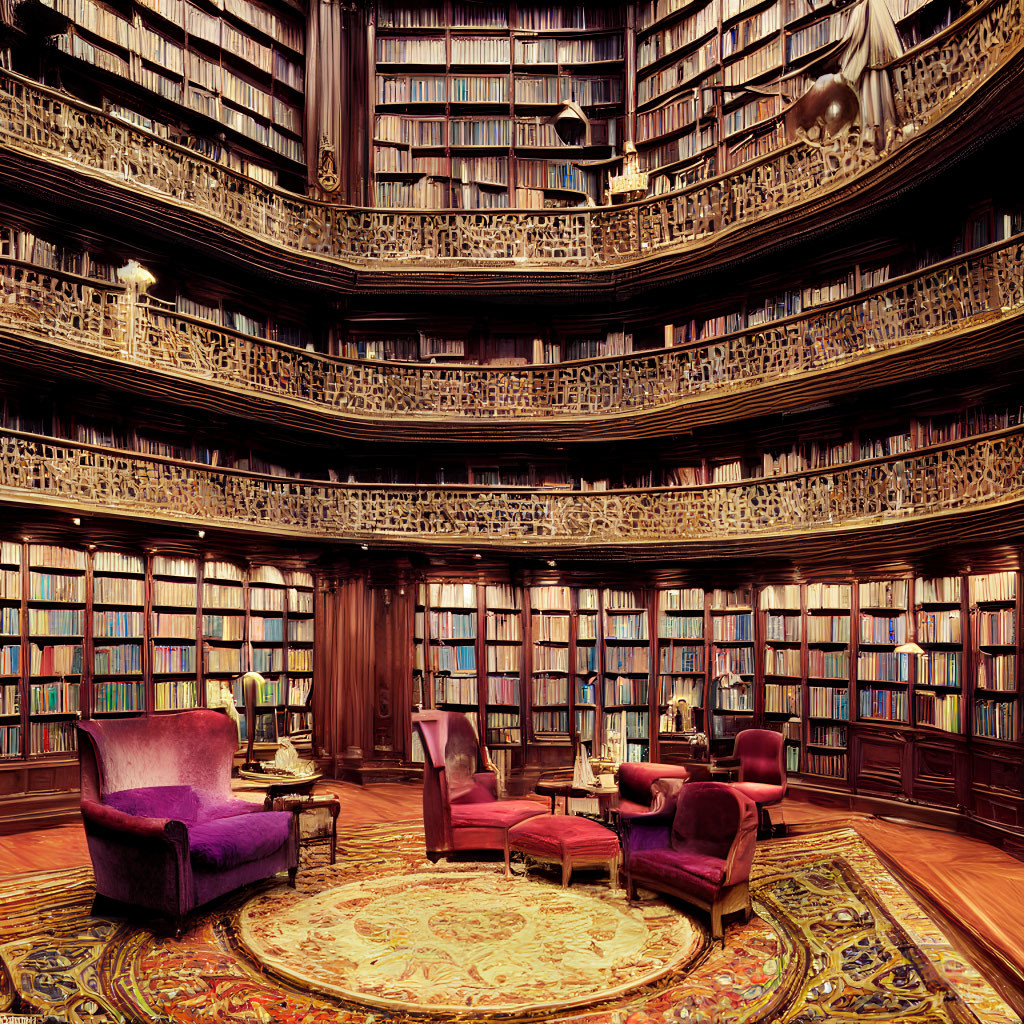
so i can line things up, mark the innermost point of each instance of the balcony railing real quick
(983, 472)
(929, 81)
(916, 310)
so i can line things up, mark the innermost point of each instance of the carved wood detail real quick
(983, 472)
(927, 81)
(935, 304)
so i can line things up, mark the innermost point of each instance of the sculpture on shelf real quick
(287, 766)
(327, 167)
(632, 183)
(826, 111)
(225, 698)
(870, 45)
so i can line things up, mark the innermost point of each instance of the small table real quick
(299, 804)
(555, 789)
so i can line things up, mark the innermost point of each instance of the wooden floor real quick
(973, 889)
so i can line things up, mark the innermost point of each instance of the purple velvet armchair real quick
(461, 810)
(698, 847)
(639, 792)
(163, 831)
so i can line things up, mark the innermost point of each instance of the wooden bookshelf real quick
(184, 72)
(551, 702)
(732, 664)
(828, 608)
(626, 680)
(464, 98)
(682, 659)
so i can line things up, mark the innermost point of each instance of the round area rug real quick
(448, 942)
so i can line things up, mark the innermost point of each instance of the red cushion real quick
(556, 835)
(760, 792)
(496, 814)
(680, 870)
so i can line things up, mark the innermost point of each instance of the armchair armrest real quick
(646, 832)
(132, 825)
(725, 762)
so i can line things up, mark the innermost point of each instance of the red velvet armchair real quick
(760, 756)
(163, 830)
(461, 810)
(699, 847)
(639, 792)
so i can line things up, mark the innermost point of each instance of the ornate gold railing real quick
(984, 471)
(87, 315)
(928, 81)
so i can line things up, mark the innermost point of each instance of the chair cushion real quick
(681, 871)
(178, 802)
(229, 842)
(496, 814)
(760, 792)
(556, 835)
(212, 807)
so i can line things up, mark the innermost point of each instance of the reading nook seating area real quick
(512, 510)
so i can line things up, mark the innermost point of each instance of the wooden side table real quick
(300, 804)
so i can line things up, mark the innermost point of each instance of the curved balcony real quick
(961, 312)
(890, 505)
(951, 90)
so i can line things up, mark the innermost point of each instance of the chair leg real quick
(292, 872)
(716, 922)
(613, 872)
(508, 866)
(566, 872)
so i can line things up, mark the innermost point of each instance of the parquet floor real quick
(975, 890)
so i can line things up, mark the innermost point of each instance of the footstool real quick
(567, 840)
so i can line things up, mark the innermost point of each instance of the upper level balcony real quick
(962, 312)
(950, 91)
(893, 505)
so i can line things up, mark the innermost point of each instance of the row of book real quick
(939, 710)
(503, 627)
(118, 590)
(679, 35)
(782, 699)
(883, 705)
(782, 628)
(681, 660)
(117, 659)
(550, 628)
(507, 659)
(622, 691)
(175, 695)
(453, 625)
(549, 691)
(124, 696)
(628, 660)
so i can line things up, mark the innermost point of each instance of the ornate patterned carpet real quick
(835, 938)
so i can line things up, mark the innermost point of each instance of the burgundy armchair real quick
(639, 789)
(760, 756)
(698, 847)
(163, 831)
(461, 810)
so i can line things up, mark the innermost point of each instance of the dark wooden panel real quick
(1000, 809)
(878, 763)
(940, 773)
(12, 781)
(998, 770)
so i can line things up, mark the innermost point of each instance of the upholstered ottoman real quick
(568, 840)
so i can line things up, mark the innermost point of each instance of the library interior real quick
(636, 639)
